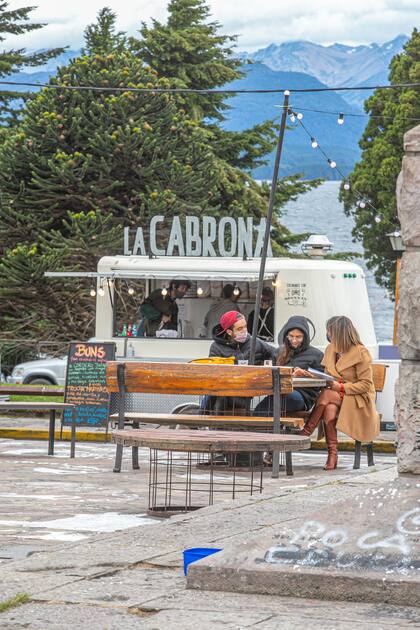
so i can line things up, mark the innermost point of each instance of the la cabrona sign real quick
(197, 236)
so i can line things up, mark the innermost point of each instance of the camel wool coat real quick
(358, 417)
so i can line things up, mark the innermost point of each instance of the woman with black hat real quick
(295, 351)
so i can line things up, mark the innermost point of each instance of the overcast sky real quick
(257, 23)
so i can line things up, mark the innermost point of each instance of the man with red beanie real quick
(231, 339)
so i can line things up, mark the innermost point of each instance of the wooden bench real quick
(201, 379)
(52, 407)
(379, 374)
(197, 421)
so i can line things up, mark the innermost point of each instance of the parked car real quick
(50, 371)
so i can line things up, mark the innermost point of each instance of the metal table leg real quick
(51, 432)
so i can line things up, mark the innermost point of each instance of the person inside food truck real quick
(160, 310)
(265, 328)
(227, 302)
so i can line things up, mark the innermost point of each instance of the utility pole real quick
(268, 227)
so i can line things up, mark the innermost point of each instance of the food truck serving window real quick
(181, 308)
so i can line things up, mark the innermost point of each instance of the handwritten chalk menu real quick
(86, 383)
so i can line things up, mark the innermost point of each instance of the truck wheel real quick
(40, 380)
(190, 409)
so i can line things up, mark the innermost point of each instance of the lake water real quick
(320, 212)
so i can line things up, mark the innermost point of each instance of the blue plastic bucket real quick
(196, 553)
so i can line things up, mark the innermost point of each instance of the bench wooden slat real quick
(208, 421)
(210, 441)
(34, 406)
(197, 379)
(31, 390)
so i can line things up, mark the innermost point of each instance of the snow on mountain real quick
(334, 65)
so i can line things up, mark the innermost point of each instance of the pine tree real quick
(16, 22)
(190, 51)
(374, 178)
(131, 155)
(122, 156)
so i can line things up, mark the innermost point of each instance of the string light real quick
(314, 143)
(299, 116)
(130, 291)
(92, 292)
(101, 291)
(164, 292)
(199, 291)
(291, 116)
(236, 291)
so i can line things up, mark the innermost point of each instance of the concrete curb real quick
(27, 433)
(17, 433)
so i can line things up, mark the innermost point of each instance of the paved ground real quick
(76, 538)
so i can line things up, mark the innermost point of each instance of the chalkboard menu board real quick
(86, 384)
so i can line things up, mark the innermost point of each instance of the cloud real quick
(257, 24)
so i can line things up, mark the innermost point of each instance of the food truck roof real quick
(212, 268)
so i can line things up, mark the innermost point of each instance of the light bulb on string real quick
(130, 291)
(314, 143)
(340, 119)
(378, 218)
(92, 292)
(200, 291)
(101, 291)
(362, 204)
(332, 163)
(164, 292)
(236, 291)
(299, 116)
(291, 115)
(346, 186)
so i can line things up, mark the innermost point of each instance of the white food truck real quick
(314, 287)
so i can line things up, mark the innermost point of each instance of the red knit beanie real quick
(228, 319)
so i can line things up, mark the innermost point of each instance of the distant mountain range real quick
(293, 65)
(335, 65)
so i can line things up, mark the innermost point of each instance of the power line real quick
(95, 88)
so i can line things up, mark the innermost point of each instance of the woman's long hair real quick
(343, 333)
(285, 353)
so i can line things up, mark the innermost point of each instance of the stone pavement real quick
(75, 537)
(20, 427)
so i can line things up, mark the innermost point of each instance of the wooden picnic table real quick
(171, 475)
(52, 407)
(31, 390)
(210, 441)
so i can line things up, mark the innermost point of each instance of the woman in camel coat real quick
(349, 403)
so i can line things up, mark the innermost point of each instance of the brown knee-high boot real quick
(313, 420)
(331, 439)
